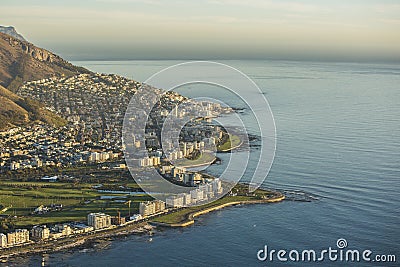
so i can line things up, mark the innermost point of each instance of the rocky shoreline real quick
(76, 242)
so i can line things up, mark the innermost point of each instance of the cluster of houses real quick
(96, 102)
(42, 145)
(95, 105)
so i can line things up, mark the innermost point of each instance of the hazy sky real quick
(210, 29)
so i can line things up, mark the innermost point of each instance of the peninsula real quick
(64, 181)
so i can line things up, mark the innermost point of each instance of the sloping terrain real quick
(22, 61)
(18, 111)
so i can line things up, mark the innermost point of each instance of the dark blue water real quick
(338, 128)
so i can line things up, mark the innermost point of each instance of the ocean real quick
(338, 128)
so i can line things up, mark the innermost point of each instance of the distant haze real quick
(352, 30)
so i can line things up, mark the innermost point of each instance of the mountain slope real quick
(18, 111)
(11, 114)
(22, 61)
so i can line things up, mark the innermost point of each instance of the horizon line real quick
(358, 61)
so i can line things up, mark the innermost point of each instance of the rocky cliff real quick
(11, 31)
(22, 61)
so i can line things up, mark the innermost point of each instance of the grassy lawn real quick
(80, 199)
(80, 212)
(77, 200)
(233, 141)
(205, 158)
(24, 199)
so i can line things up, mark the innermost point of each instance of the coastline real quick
(215, 158)
(231, 147)
(197, 165)
(90, 240)
(75, 242)
(189, 218)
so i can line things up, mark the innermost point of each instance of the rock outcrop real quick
(10, 30)
(22, 61)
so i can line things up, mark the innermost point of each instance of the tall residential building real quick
(197, 195)
(118, 220)
(156, 161)
(192, 178)
(159, 205)
(209, 191)
(99, 220)
(184, 149)
(64, 229)
(217, 186)
(178, 170)
(146, 208)
(14, 165)
(187, 199)
(40, 232)
(151, 207)
(18, 237)
(3, 240)
(175, 201)
(146, 161)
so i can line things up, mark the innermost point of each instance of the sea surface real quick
(338, 142)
